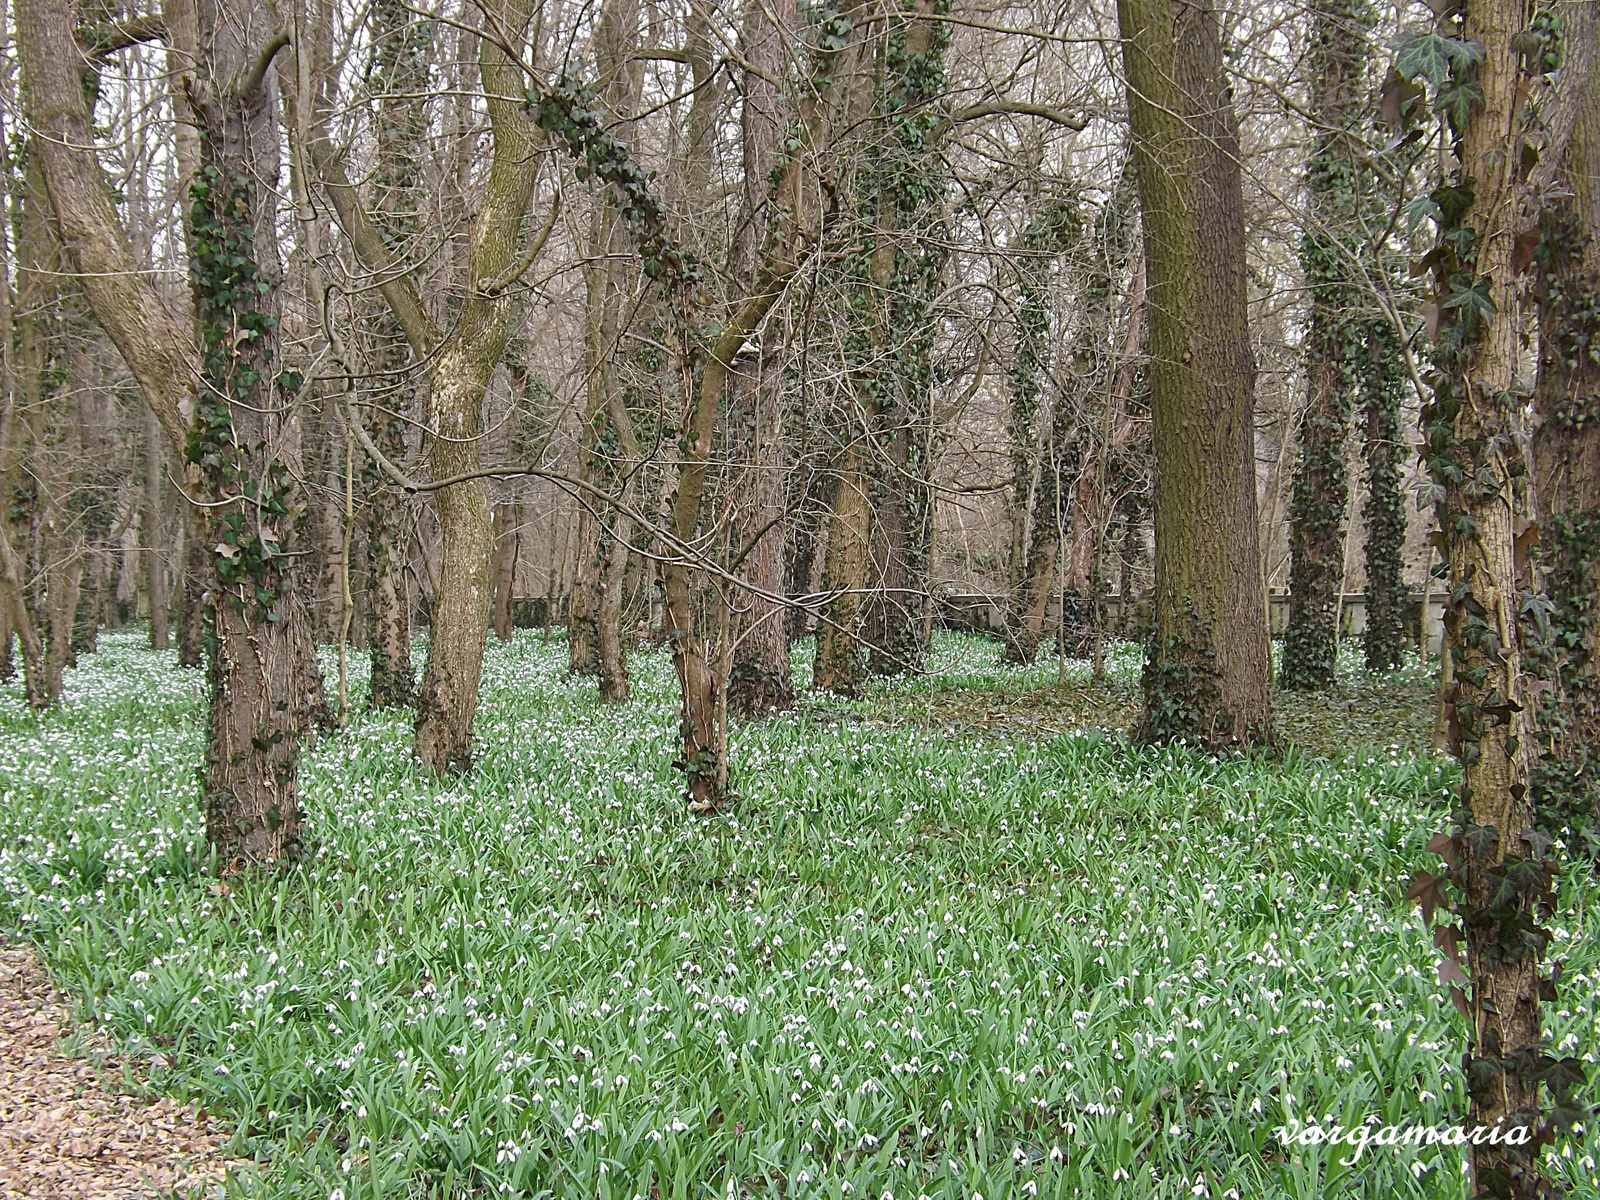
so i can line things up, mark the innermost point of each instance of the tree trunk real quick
(1496, 854)
(155, 523)
(840, 664)
(193, 585)
(760, 681)
(249, 781)
(13, 582)
(507, 520)
(1383, 371)
(459, 366)
(63, 577)
(1330, 253)
(1566, 460)
(1207, 674)
(460, 616)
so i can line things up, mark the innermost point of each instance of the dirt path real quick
(65, 1134)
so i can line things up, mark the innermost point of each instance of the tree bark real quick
(1207, 675)
(840, 664)
(1330, 251)
(1384, 508)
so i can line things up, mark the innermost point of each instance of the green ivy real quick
(252, 526)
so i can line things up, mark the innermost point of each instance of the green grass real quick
(917, 960)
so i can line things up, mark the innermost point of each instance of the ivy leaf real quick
(1423, 56)
(1428, 891)
(1457, 100)
(1474, 303)
(1423, 208)
(1450, 972)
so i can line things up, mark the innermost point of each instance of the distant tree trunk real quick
(63, 580)
(1207, 672)
(611, 652)
(1383, 374)
(196, 566)
(840, 664)
(1566, 460)
(155, 542)
(608, 456)
(507, 537)
(1035, 426)
(1330, 251)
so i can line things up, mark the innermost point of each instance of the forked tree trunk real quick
(459, 366)
(1208, 672)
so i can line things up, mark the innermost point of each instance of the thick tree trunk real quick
(460, 616)
(761, 681)
(1207, 675)
(1496, 853)
(400, 75)
(249, 782)
(260, 672)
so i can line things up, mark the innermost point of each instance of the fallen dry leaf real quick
(66, 1132)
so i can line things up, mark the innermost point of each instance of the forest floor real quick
(957, 938)
(72, 1125)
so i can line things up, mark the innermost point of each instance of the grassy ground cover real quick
(928, 955)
